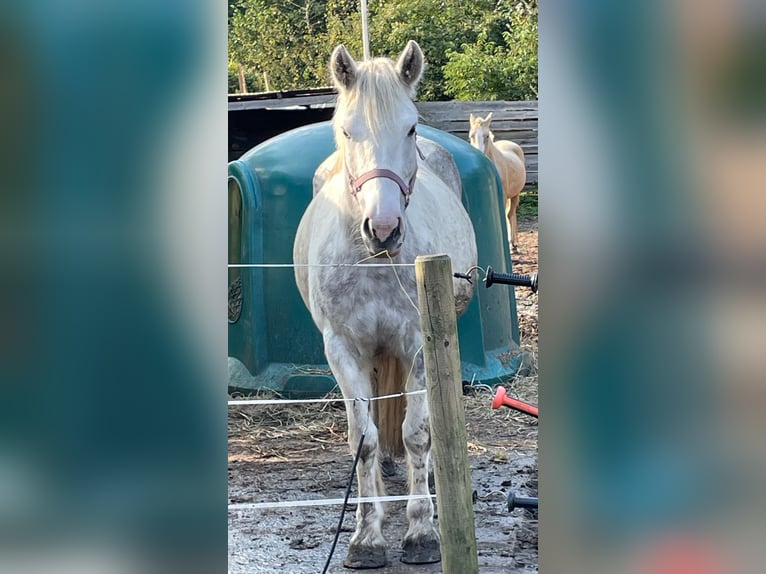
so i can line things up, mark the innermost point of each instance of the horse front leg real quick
(421, 543)
(367, 547)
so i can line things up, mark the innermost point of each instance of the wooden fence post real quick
(449, 447)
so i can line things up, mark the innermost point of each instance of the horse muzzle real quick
(383, 234)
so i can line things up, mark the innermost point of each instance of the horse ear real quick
(488, 118)
(343, 68)
(410, 65)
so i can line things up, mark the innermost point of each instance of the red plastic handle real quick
(502, 398)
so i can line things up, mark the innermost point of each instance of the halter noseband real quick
(357, 183)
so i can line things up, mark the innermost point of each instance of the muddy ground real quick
(299, 452)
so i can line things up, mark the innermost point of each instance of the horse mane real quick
(380, 91)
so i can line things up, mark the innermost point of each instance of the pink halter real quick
(357, 183)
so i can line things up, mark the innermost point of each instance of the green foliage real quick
(281, 40)
(437, 25)
(480, 49)
(344, 26)
(527, 204)
(251, 79)
(493, 68)
(233, 80)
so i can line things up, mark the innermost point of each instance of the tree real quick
(439, 26)
(502, 62)
(281, 41)
(482, 49)
(344, 26)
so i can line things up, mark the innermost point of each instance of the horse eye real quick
(411, 132)
(345, 134)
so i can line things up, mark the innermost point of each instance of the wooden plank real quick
(302, 101)
(251, 96)
(431, 109)
(527, 144)
(486, 105)
(521, 131)
(530, 137)
(464, 115)
(500, 120)
(499, 134)
(449, 444)
(505, 122)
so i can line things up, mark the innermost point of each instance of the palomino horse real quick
(376, 202)
(508, 158)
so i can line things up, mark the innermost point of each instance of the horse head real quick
(480, 134)
(375, 127)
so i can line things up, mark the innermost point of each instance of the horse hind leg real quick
(509, 223)
(421, 543)
(514, 238)
(367, 547)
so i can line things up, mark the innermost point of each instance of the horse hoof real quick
(421, 550)
(365, 557)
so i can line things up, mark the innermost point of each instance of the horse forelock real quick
(380, 93)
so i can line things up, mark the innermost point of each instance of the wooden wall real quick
(515, 121)
(251, 121)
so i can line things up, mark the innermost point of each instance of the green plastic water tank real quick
(271, 331)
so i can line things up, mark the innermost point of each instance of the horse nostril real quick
(366, 228)
(397, 231)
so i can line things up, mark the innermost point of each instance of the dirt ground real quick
(299, 452)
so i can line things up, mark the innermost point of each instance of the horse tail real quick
(388, 414)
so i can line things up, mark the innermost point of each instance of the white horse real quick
(375, 202)
(508, 158)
